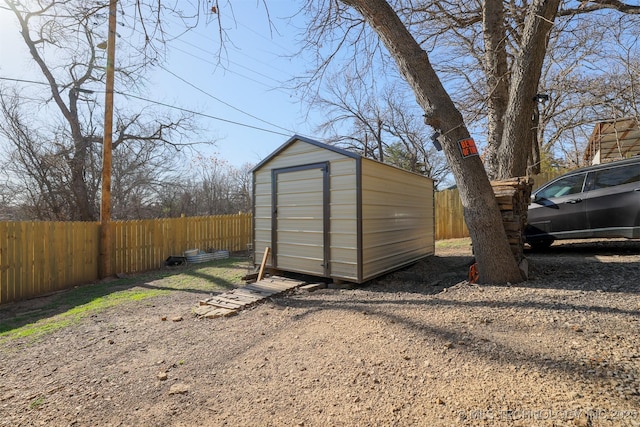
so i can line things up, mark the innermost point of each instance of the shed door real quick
(300, 220)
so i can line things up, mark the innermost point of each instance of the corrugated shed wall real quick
(397, 218)
(344, 219)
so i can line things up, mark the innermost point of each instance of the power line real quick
(233, 72)
(203, 114)
(221, 101)
(24, 81)
(216, 64)
(207, 93)
(238, 52)
(212, 96)
(173, 107)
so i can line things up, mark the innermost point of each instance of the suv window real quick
(562, 187)
(616, 176)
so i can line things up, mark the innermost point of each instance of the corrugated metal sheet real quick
(397, 218)
(613, 140)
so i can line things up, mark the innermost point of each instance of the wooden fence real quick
(449, 212)
(38, 258)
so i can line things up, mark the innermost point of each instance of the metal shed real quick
(331, 213)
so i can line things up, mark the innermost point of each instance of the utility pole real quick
(105, 206)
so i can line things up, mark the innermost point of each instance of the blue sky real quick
(247, 88)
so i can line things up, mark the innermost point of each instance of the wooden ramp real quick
(231, 302)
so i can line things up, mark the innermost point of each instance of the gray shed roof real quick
(295, 138)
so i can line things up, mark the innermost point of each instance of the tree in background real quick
(496, 56)
(482, 215)
(592, 74)
(56, 164)
(213, 187)
(379, 125)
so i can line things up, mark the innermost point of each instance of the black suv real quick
(595, 201)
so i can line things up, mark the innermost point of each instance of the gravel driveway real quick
(420, 347)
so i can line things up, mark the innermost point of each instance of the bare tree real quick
(600, 82)
(243, 183)
(496, 53)
(379, 125)
(355, 120)
(60, 164)
(412, 147)
(213, 187)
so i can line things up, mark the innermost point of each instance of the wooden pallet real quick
(229, 303)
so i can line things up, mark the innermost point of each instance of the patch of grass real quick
(54, 322)
(453, 243)
(36, 403)
(211, 276)
(70, 307)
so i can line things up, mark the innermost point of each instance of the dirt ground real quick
(420, 347)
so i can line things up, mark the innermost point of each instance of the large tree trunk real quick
(496, 69)
(515, 147)
(495, 261)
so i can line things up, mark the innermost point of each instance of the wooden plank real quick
(276, 287)
(4, 263)
(283, 281)
(284, 286)
(78, 246)
(243, 297)
(21, 263)
(281, 285)
(249, 292)
(219, 303)
(213, 312)
(267, 287)
(227, 298)
(263, 263)
(254, 292)
(263, 290)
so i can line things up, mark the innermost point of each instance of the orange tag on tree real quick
(474, 274)
(468, 147)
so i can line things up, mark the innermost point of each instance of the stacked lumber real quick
(513, 196)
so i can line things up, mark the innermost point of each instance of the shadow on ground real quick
(609, 265)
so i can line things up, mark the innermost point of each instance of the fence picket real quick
(4, 260)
